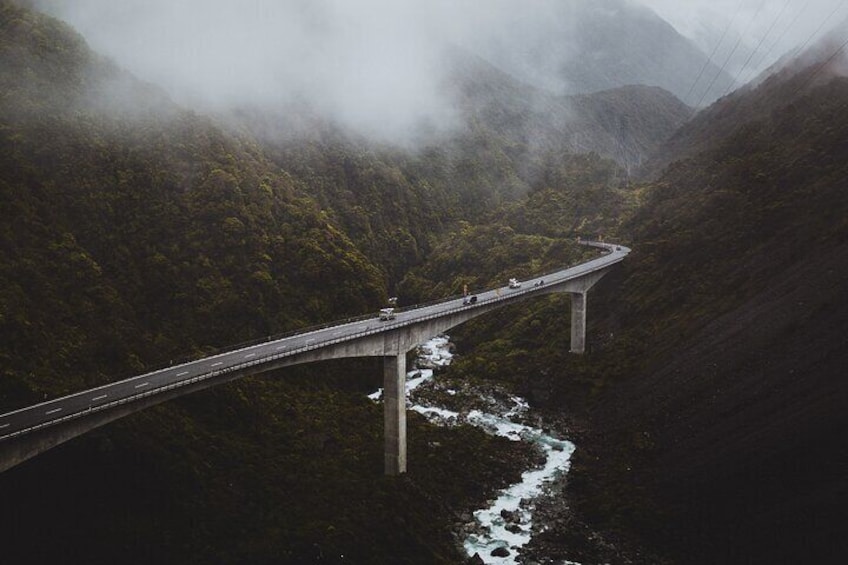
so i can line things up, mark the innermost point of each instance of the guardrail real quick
(564, 275)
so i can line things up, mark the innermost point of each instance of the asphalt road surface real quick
(37, 416)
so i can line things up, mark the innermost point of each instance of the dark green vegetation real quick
(709, 409)
(130, 238)
(714, 391)
(136, 233)
(262, 472)
(113, 218)
(734, 422)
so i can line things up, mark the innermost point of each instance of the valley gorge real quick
(708, 411)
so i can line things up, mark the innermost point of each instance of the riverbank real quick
(534, 520)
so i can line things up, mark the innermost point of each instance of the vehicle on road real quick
(514, 283)
(387, 314)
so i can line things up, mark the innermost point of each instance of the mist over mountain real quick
(255, 172)
(619, 42)
(379, 67)
(790, 77)
(731, 427)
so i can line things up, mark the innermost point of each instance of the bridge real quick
(30, 431)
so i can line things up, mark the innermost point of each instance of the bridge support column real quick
(578, 322)
(394, 413)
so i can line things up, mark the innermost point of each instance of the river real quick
(502, 528)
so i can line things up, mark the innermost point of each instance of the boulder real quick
(500, 552)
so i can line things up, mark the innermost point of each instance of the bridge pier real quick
(394, 413)
(578, 322)
(30, 431)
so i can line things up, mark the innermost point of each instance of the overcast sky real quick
(778, 25)
(371, 64)
(267, 51)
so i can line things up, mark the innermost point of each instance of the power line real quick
(730, 55)
(757, 48)
(821, 25)
(819, 68)
(782, 35)
(715, 49)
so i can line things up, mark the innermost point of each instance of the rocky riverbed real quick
(531, 522)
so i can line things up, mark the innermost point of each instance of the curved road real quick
(40, 415)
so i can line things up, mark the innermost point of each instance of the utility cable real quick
(730, 55)
(715, 50)
(782, 35)
(757, 48)
(819, 68)
(818, 29)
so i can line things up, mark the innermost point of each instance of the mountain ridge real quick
(730, 427)
(709, 385)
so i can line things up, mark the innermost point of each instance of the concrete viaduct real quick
(30, 431)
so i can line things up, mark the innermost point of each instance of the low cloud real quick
(760, 31)
(375, 65)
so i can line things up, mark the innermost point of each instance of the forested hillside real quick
(127, 226)
(395, 202)
(708, 409)
(725, 439)
(137, 232)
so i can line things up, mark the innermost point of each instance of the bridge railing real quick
(509, 296)
(324, 325)
(349, 320)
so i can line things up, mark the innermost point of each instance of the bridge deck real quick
(97, 399)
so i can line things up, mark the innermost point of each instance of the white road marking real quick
(218, 363)
(4, 426)
(281, 347)
(141, 385)
(53, 411)
(183, 373)
(101, 397)
(250, 355)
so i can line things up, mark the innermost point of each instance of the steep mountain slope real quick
(713, 390)
(136, 232)
(625, 123)
(394, 201)
(601, 45)
(727, 442)
(622, 43)
(155, 221)
(766, 95)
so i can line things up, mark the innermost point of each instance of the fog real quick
(377, 65)
(750, 35)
